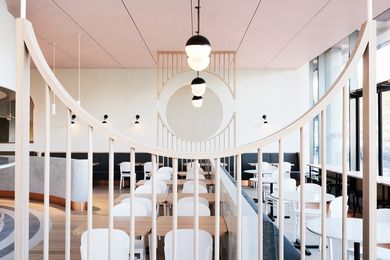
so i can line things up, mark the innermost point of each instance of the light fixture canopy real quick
(198, 86)
(197, 101)
(105, 119)
(198, 65)
(137, 119)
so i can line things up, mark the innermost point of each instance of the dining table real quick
(354, 231)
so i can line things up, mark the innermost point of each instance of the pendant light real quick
(197, 101)
(198, 48)
(198, 86)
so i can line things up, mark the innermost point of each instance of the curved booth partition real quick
(79, 195)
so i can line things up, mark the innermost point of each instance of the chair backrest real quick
(163, 176)
(192, 200)
(125, 167)
(123, 210)
(187, 209)
(336, 208)
(147, 167)
(192, 182)
(144, 201)
(383, 215)
(185, 245)
(146, 189)
(286, 167)
(165, 170)
(290, 184)
(311, 187)
(99, 244)
(191, 189)
(192, 170)
(160, 183)
(191, 176)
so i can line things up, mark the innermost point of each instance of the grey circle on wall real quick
(190, 123)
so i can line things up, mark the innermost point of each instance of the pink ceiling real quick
(283, 34)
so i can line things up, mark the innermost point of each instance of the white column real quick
(323, 184)
(238, 200)
(154, 212)
(22, 146)
(302, 181)
(345, 169)
(217, 204)
(68, 185)
(132, 215)
(369, 146)
(90, 190)
(281, 201)
(110, 195)
(46, 222)
(260, 204)
(196, 211)
(174, 209)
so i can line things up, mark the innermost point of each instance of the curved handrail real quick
(7, 165)
(67, 99)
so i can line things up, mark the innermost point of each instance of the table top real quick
(267, 179)
(143, 225)
(164, 224)
(295, 196)
(354, 229)
(210, 197)
(180, 182)
(161, 197)
(274, 164)
(253, 171)
(183, 174)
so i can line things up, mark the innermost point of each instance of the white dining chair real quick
(192, 200)
(160, 183)
(125, 170)
(383, 215)
(165, 170)
(146, 189)
(163, 176)
(191, 176)
(187, 209)
(99, 244)
(144, 201)
(192, 182)
(191, 189)
(185, 245)
(147, 169)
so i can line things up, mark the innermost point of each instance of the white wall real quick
(7, 48)
(282, 95)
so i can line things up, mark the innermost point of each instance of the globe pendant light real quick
(198, 86)
(198, 65)
(197, 101)
(198, 48)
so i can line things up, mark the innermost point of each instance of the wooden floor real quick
(57, 233)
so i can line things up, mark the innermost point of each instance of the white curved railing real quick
(27, 36)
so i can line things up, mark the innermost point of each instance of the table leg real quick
(310, 174)
(356, 250)
(271, 211)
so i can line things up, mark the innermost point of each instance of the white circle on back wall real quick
(190, 123)
(213, 83)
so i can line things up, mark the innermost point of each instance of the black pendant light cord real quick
(198, 8)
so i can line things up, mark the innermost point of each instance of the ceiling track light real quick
(198, 48)
(105, 119)
(197, 101)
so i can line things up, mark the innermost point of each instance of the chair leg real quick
(120, 183)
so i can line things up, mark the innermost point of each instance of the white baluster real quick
(46, 226)
(281, 201)
(68, 186)
(238, 200)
